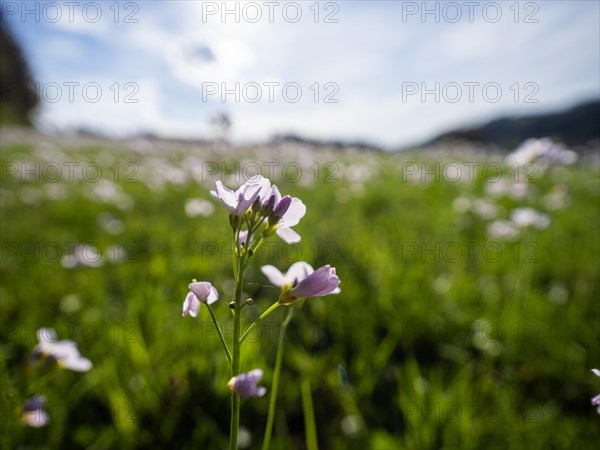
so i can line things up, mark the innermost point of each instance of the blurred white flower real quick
(596, 399)
(504, 230)
(461, 204)
(64, 353)
(543, 150)
(82, 255)
(34, 414)
(529, 217)
(110, 223)
(484, 209)
(507, 188)
(196, 207)
(557, 199)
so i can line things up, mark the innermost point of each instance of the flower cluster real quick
(257, 210)
(256, 203)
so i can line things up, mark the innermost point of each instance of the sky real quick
(392, 73)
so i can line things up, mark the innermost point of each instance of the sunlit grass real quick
(489, 348)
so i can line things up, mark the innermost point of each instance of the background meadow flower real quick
(245, 384)
(596, 399)
(34, 414)
(64, 353)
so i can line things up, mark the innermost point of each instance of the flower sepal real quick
(234, 221)
(287, 298)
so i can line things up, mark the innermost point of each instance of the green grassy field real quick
(451, 337)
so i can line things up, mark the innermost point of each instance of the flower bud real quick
(268, 206)
(234, 221)
(280, 209)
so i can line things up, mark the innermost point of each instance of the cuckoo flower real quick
(302, 281)
(245, 384)
(64, 352)
(295, 274)
(287, 212)
(283, 213)
(200, 292)
(238, 202)
(291, 217)
(34, 414)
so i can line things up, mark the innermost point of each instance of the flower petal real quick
(321, 282)
(298, 272)
(596, 372)
(76, 363)
(264, 191)
(247, 195)
(245, 384)
(295, 212)
(276, 193)
(226, 195)
(288, 235)
(213, 295)
(46, 335)
(201, 289)
(191, 305)
(282, 207)
(274, 275)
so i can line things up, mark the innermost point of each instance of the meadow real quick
(468, 315)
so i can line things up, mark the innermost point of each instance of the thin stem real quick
(252, 249)
(310, 427)
(223, 342)
(272, 308)
(235, 364)
(253, 230)
(275, 385)
(35, 386)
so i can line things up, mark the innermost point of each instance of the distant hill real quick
(578, 126)
(332, 143)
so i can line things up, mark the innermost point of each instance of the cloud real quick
(369, 58)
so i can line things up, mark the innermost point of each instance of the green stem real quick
(236, 254)
(252, 249)
(310, 427)
(235, 363)
(223, 342)
(36, 386)
(275, 385)
(272, 308)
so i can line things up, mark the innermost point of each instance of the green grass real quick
(473, 351)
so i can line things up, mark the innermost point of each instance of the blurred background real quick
(448, 154)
